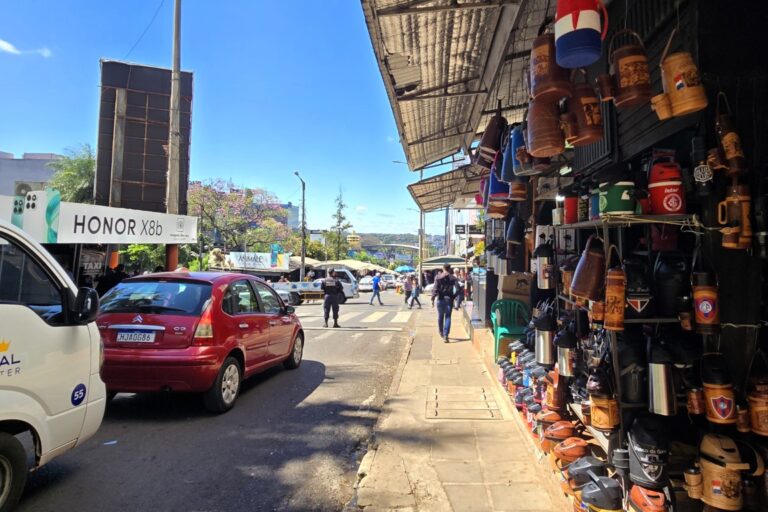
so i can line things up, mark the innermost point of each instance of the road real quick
(292, 442)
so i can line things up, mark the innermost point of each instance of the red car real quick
(196, 332)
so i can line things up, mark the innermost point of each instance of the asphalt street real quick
(292, 442)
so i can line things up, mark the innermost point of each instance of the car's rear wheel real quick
(221, 397)
(294, 359)
(295, 299)
(13, 471)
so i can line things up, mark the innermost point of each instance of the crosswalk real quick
(363, 318)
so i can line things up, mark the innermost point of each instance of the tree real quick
(74, 174)
(230, 214)
(341, 224)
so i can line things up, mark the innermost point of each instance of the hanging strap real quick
(666, 48)
(612, 249)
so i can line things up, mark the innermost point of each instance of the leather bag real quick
(589, 276)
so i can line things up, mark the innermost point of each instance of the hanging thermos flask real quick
(729, 139)
(545, 273)
(615, 291)
(705, 299)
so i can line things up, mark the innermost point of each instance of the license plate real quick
(136, 336)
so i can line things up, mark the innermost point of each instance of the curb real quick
(370, 454)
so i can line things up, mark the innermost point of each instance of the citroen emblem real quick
(137, 319)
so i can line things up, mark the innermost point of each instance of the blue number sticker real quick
(78, 394)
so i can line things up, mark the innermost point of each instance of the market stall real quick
(620, 159)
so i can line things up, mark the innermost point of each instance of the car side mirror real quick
(289, 310)
(86, 305)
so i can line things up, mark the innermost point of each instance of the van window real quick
(23, 281)
(185, 298)
(343, 277)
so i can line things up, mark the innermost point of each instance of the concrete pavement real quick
(447, 439)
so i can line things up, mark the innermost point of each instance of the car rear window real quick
(161, 297)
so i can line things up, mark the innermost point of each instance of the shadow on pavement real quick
(275, 450)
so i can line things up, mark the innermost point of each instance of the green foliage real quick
(143, 256)
(340, 225)
(74, 175)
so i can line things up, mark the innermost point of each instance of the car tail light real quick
(204, 331)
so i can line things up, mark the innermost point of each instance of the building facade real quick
(20, 175)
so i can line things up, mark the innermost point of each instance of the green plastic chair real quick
(509, 318)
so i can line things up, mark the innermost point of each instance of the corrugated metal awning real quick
(455, 189)
(448, 65)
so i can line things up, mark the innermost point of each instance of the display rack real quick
(620, 221)
(600, 437)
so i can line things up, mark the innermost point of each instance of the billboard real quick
(260, 260)
(47, 219)
(132, 153)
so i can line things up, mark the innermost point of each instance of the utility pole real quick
(172, 190)
(303, 225)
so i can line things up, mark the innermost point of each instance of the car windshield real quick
(171, 297)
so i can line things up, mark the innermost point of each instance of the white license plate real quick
(136, 337)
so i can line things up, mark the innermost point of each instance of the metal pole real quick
(421, 238)
(303, 225)
(172, 190)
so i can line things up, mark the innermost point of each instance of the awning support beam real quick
(412, 7)
(442, 96)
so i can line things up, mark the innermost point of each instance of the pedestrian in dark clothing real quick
(416, 290)
(333, 290)
(460, 287)
(444, 292)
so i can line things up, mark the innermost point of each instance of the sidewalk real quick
(447, 439)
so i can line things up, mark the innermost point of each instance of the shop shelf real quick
(570, 301)
(601, 437)
(629, 220)
(651, 320)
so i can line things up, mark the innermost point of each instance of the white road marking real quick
(349, 316)
(385, 340)
(326, 334)
(402, 317)
(357, 336)
(374, 317)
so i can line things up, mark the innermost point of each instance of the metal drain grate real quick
(461, 403)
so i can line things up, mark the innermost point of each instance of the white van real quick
(50, 358)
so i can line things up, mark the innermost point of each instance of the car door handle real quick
(243, 326)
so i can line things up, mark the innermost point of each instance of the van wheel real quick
(295, 299)
(294, 360)
(221, 397)
(13, 471)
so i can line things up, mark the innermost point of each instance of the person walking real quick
(416, 290)
(407, 288)
(444, 292)
(460, 287)
(333, 290)
(376, 293)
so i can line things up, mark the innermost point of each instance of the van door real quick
(43, 358)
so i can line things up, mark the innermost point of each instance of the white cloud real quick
(7, 47)
(361, 208)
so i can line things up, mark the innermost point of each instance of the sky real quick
(279, 86)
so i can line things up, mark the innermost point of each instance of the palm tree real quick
(75, 174)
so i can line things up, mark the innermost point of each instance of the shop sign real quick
(260, 260)
(47, 219)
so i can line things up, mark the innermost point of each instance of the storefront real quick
(622, 171)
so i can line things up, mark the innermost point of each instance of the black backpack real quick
(445, 286)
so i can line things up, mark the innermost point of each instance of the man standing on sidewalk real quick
(332, 291)
(376, 293)
(444, 291)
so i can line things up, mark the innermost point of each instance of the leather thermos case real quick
(589, 276)
(615, 290)
(719, 397)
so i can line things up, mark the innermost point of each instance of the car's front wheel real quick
(221, 397)
(294, 359)
(13, 471)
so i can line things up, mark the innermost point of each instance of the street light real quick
(303, 225)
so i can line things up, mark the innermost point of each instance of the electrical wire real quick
(151, 21)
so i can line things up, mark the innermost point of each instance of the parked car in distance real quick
(388, 280)
(50, 356)
(195, 332)
(366, 284)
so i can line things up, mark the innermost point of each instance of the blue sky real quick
(279, 86)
